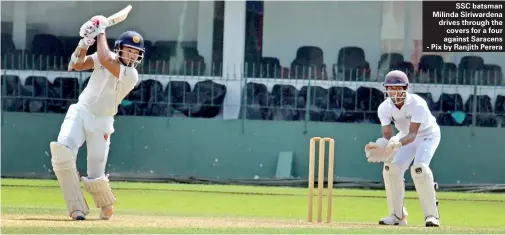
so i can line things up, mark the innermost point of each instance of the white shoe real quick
(106, 212)
(393, 220)
(431, 221)
(78, 215)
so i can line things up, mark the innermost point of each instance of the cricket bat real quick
(119, 16)
(114, 19)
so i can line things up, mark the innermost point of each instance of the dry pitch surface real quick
(170, 224)
(121, 221)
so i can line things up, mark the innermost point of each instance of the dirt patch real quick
(137, 221)
(166, 222)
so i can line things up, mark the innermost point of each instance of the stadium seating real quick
(267, 100)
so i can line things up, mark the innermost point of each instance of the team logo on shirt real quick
(393, 119)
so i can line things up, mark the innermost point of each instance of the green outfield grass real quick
(36, 206)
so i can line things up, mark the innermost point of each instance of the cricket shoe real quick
(393, 220)
(78, 215)
(106, 212)
(431, 221)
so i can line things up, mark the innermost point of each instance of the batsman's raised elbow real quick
(86, 65)
(103, 59)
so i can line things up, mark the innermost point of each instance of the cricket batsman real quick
(417, 139)
(91, 119)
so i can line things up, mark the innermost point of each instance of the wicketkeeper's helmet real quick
(396, 86)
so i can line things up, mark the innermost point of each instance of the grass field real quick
(36, 206)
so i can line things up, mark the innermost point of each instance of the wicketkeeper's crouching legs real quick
(424, 181)
(393, 174)
(425, 187)
(395, 193)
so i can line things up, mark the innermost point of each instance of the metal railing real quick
(264, 92)
(491, 74)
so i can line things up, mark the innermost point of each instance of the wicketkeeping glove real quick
(378, 151)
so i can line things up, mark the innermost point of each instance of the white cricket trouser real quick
(81, 125)
(421, 150)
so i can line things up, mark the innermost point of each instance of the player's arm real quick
(418, 115)
(79, 61)
(105, 57)
(375, 151)
(411, 136)
(385, 119)
(387, 132)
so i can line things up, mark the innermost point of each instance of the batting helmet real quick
(130, 39)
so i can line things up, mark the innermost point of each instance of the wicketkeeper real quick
(417, 140)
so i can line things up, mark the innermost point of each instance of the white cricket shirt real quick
(104, 92)
(415, 110)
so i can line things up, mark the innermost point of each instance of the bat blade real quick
(120, 16)
(114, 19)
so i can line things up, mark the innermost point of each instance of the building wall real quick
(164, 147)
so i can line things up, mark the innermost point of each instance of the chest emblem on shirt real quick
(407, 117)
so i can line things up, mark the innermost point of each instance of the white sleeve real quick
(128, 76)
(383, 114)
(418, 113)
(96, 62)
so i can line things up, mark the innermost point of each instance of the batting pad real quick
(65, 169)
(100, 190)
(425, 187)
(395, 189)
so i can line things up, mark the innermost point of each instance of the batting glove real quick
(101, 23)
